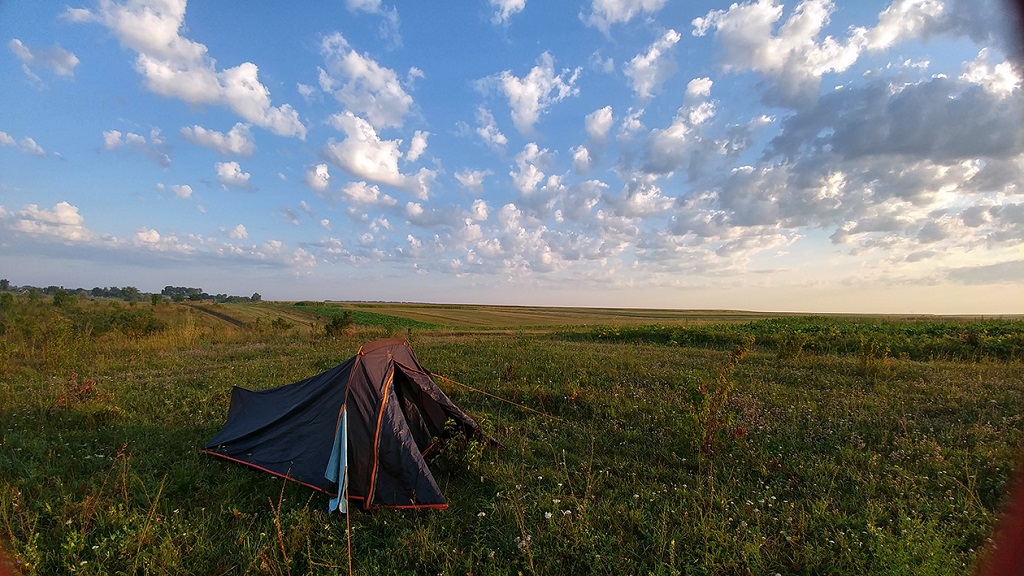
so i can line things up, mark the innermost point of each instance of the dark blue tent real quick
(394, 414)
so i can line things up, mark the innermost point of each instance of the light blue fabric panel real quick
(337, 467)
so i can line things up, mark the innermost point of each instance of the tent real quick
(375, 416)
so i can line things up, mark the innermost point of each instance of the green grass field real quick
(678, 442)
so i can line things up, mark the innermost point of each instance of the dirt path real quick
(216, 314)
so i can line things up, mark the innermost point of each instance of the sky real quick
(814, 156)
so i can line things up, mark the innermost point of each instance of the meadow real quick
(663, 442)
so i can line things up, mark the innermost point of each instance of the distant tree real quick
(130, 293)
(5, 284)
(155, 299)
(178, 298)
(62, 299)
(256, 297)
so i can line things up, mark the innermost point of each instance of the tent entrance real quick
(424, 416)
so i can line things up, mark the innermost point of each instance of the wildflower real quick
(555, 501)
(482, 514)
(547, 515)
(566, 512)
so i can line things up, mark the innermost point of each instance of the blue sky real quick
(810, 156)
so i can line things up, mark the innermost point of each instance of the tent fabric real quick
(337, 466)
(394, 412)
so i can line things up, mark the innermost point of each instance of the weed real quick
(711, 411)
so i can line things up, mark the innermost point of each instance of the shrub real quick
(338, 324)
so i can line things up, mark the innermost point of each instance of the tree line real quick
(133, 294)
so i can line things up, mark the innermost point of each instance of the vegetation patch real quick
(954, 340)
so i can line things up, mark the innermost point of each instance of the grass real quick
(732, 452)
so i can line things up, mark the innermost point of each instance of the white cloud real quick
(238, 232)
(147, 236)
(604, 13)
(529, 96)
(601, 64)
(230, 175)
(598, 123)
(318, 177)
(365, 194)
(504, 9)
(479, 211)
(417, 146)
(177, 67)
(903, 19)
(472, 180)
(55, 59)
(631, 125)
(389, 27)
(1000, 80)
(370, 6)
(62, 222)
(364, 154)
(306, 91)
(6, 140)
(581, 160)
(641, 198)
(647, 72)
(29, 145)
(366, 88)
(985, 22)
(326, 224)
(183, 191)
(530, 165)
(671, 149)
(238, 140)
(112, 139)
(793, 58)
(580, 199)
(155, 148)
(488, 131)
(698, 88)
